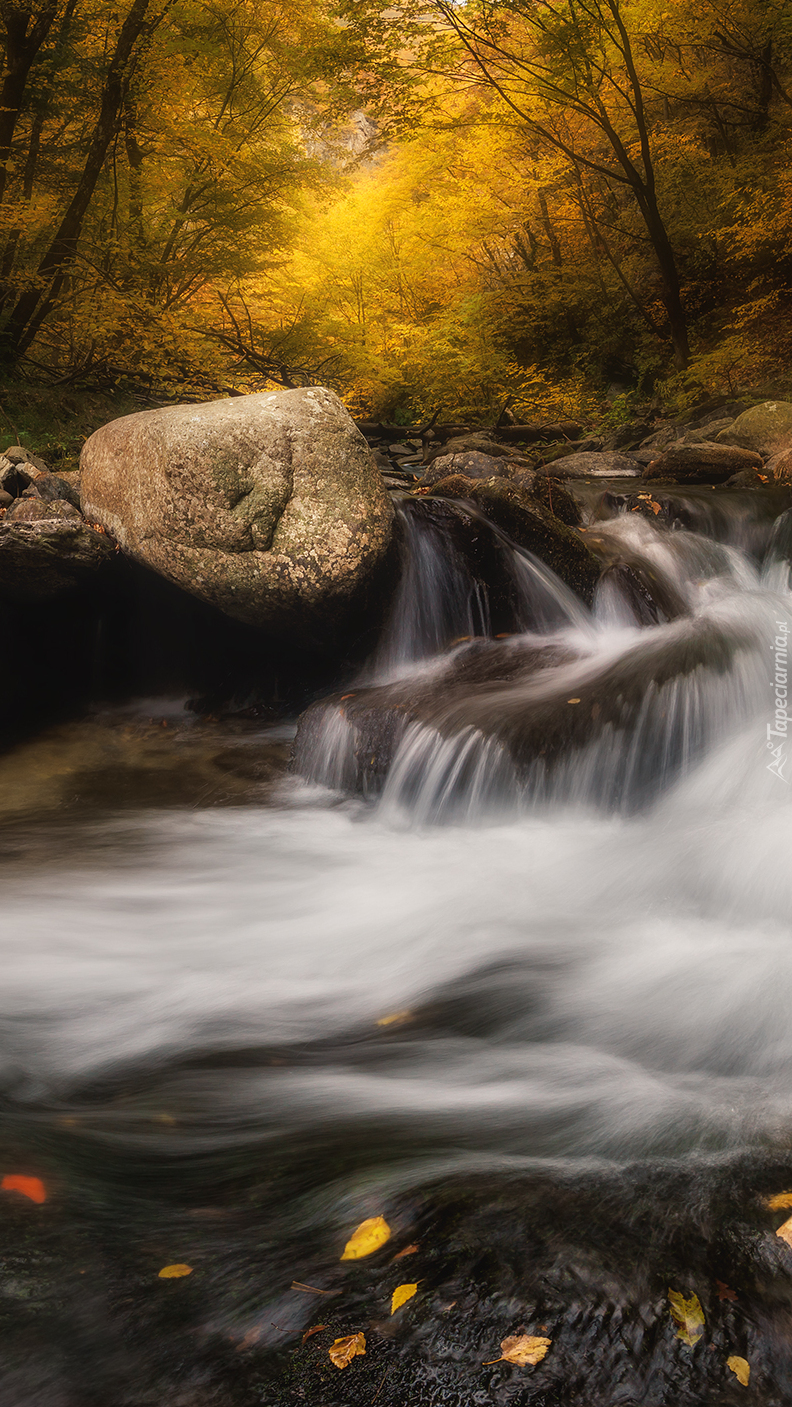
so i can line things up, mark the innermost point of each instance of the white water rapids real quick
(566, 981)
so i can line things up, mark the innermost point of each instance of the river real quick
(245, 1007)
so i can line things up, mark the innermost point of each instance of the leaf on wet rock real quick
(342, 1351)
(315, 1329)
(396, 1018)
(522, 1349)
(779, 1201)
(402, 1294)
(740, 1367)
(174, 1272)
(688, 1315)
(785, 1231)
(408, 1251)
(724, 1292)
(31, 1187)
(369, 1236)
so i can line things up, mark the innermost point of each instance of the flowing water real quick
(247, 1007)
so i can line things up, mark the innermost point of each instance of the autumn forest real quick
(421, 204)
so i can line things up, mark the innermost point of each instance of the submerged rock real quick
(268, 506)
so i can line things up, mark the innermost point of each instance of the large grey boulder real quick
(268, 506)
(702, 464)
(765, 428)
(580, 466)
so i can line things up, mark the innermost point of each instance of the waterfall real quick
(451, 721)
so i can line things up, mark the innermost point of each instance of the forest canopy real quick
(428, 205)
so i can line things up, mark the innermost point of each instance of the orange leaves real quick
(315, 1329)
(174, 1272)
(522, 1350)
(402, 1294)
(372, 1233)
(785, 1231)
(408, 1251)
(688, 1316)
(725, 1294)
(31, 1187)
(343, 1350)
(779, 1201)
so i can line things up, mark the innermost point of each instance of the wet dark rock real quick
(40, 560)
(5, 499)
(746, 479)
(509, 696)
(573, 466)
(651, 599)
(473, 464)
(702, 464)
(530, 526)
(554, 497)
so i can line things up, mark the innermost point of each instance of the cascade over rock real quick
(268, 506)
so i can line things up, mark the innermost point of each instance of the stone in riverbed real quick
(32, 510)
(702, 464)
(580, 466)
(541, 532)
(268, 506)
(765, 428)
(41, 560)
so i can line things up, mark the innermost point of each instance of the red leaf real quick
(31, 1187)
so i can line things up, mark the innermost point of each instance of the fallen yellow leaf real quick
(344, 1350)
(785, 1231)
(522, 1349)
(689, 1316)
(370, 1235)
(740, 1367)
(174, 1272)
(402, 1294)
(396, 1018)
(779, 1201)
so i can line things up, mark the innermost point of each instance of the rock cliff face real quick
(268, 506)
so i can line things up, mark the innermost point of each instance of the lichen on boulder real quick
(268, 506)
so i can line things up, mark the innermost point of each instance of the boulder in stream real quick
(531, 526)
(268, 506)
(702, 463)
(766, 428)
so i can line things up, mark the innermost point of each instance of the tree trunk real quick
(22, 44)
(37, 301)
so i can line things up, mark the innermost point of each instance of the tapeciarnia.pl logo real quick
(779, 728)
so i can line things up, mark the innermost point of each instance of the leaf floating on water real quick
(402, 1294)
(396, 1018)
(31, 1187)
(317, 1329)
(724, 1293)
(785, 1231)
(174, 1272)
(779, 1201)
(344, 1350)
(522, 1349)
(740, 1367)
(688, 1315)
(370, 1235)
(408, 1251)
